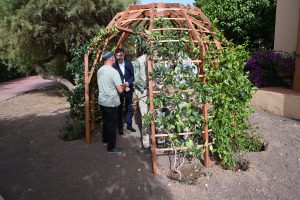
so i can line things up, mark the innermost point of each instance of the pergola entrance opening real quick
(183, 20)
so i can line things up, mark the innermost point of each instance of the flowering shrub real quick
(271, 68)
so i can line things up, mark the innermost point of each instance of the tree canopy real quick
(40, 33)
(241, 20)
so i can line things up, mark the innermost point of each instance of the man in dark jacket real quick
(125, 69)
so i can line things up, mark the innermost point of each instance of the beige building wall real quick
(286, 28)
(281, 101)
(296, 84)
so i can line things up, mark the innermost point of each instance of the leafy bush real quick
(9, 73)
(243, 20)
(75, 124)
(271, 68)
(40, 33)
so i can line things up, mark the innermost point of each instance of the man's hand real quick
(121, 88)
(127, 84)
(127, 89)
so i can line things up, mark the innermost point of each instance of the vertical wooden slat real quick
(200, 70)
(195, 35)
(193, 46)
(152, 17)
(205, 135)
(153, 144)
(205, 129)
(87, 100)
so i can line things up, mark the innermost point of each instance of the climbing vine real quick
(178, 105)
(231, 94)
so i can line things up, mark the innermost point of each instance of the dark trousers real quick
(109, 116)
(129, 113)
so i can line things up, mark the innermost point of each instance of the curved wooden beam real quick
(183, 18)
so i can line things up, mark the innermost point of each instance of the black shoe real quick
(131, 129)
(115, 150)
(121, 133)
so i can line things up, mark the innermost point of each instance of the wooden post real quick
(205, 135)
(87, 100)
(153, 144)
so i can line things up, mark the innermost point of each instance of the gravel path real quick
(19, 86)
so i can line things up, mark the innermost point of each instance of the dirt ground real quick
(36, 165)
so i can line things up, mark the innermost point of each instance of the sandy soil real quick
(36, 165)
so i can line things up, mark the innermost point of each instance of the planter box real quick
(279, 101)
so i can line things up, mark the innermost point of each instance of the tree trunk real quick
(58, 79)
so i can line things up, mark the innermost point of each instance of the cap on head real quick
(107, 54)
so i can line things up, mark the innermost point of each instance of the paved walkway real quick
(19, 86)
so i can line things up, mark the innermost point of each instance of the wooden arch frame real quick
(184, 18)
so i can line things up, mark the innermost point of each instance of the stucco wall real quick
(296, 84)
(282, 101)
(279, 101)
(286, 28)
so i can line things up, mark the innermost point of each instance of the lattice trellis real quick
(184, 19)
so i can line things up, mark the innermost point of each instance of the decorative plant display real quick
(180, 94)
(231, 93)
(199, 94)
(271, 68)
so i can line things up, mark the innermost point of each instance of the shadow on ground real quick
(36, 164)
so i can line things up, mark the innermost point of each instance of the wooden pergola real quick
(184, 19)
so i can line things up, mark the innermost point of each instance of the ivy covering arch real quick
(155, 20)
